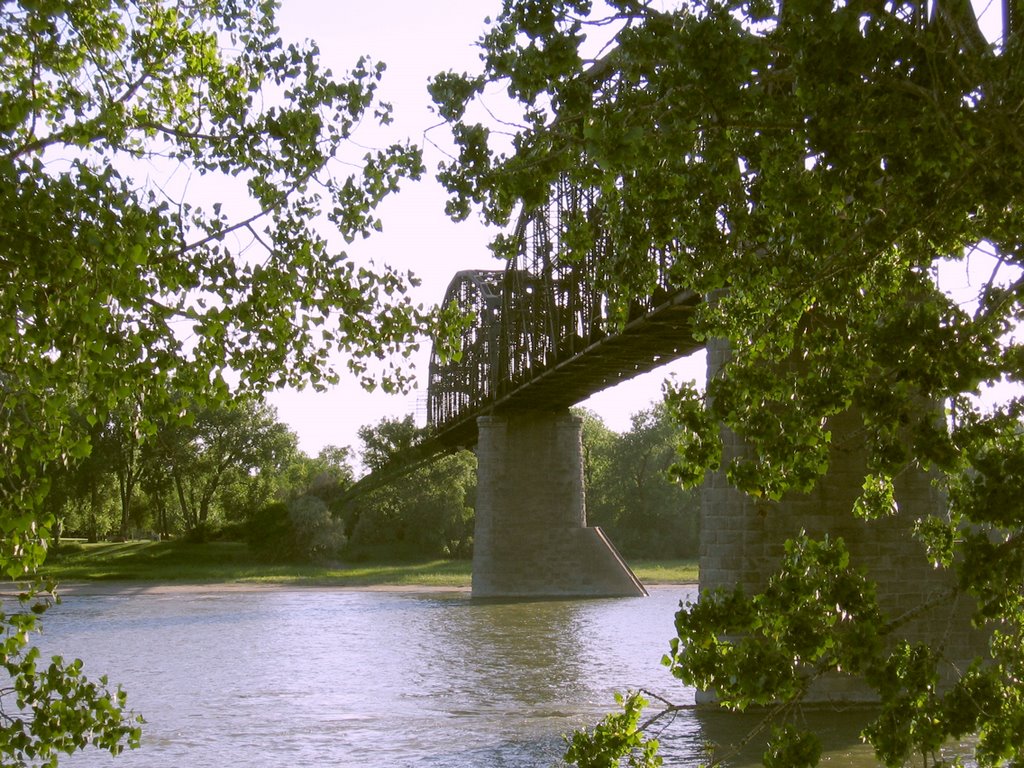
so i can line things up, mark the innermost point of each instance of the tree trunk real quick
(126, 479)
(187, 513)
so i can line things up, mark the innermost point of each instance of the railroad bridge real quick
(548, 331)
(543, 334)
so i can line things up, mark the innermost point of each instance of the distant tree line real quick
(429, 512)
(208, 474)
(234, 471)
(629, 492)
(425, 513)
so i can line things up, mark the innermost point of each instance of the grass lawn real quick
(174, 561)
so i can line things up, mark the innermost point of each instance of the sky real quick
(416, 40)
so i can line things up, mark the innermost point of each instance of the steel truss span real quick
(569, 316)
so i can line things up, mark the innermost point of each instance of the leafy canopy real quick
(162, 166)
(814, 169)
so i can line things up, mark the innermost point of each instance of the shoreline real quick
(155, 588)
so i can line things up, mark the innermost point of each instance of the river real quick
(329, 677)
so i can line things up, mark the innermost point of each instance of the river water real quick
(344, 678)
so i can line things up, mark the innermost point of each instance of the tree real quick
(809, 167)
(158, 486)
(119, 287)
(425, 512)
(122, 443)
(80, 497)
(301, 529)
(388, 438)
(242, 440)
(631, 494)
(597, 439)
(329, 473)
(295, 522)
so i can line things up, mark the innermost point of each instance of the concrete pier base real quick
(531, 537)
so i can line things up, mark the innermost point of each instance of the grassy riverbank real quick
(173, 561)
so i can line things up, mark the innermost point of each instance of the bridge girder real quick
(552, 328)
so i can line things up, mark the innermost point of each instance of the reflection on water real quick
(292, 677)
(335, 678)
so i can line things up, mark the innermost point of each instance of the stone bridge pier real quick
(531, 537)
(742, 543)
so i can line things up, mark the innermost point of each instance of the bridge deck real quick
(662, 335)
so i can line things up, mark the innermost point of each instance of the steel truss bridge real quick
(548, 330)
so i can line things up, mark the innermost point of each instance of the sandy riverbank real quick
(143, 588)
(170, 588)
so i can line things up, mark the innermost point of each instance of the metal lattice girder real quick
(548, 330)
(459, 385)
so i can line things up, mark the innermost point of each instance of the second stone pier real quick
(531, 537)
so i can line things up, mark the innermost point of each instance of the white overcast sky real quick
(417, 39)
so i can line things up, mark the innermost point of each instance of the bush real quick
(316, 534)
(301, 530)
(269, 533)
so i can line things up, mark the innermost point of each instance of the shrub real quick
(269, 533)
(316, 534)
